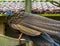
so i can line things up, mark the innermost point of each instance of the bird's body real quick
(34, 25)
(35, 22)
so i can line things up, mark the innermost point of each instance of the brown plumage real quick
(33, 25)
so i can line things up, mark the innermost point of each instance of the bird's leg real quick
(20, 36)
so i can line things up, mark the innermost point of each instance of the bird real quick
(34, 26)
(34, 23)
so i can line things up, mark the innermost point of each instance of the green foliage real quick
(49, 14)
(3, 15)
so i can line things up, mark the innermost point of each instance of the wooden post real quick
(28, 9)
(59, 2)
(29, 43)
(47, 0)
(28, 6)
(2, 26)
